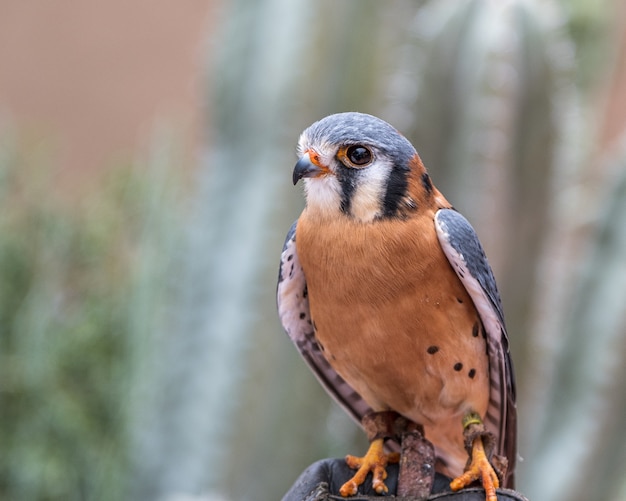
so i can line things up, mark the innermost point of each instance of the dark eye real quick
(359, 155)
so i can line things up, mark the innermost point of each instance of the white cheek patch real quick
(369, 194)
(323, 194)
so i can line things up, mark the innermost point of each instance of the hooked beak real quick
(307, 167)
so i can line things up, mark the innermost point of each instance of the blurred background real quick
(145, 188)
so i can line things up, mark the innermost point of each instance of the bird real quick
(386, 292)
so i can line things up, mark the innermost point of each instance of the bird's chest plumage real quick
(392, 317)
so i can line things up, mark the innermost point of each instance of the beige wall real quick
(91, 76)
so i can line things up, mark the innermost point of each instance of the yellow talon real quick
(375, 460)
(480, 469)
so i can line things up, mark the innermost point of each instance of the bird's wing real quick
(295, 316)
(465, 253)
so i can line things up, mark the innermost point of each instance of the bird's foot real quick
(480, 469)
(375, 461)
(379, 426)
(479, 466)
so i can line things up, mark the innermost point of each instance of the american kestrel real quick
(386, 292)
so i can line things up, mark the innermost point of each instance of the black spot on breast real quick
(302, 315)
(459, 300)
(432, 349)
(458, 366)
(475, 330)
(472, 373)
(427, 183)
(289, 257)
(305, 292)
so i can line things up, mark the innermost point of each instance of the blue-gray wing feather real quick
(467, 257)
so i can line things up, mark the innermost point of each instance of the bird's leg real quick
(378, 426)
(479, 444)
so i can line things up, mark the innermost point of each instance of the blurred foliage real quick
(586, 409)
(588, 23)
(67, 277)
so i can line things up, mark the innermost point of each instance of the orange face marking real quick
(315, 160)
(341, 154)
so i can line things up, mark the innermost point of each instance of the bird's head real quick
(359, 166)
